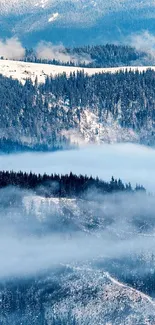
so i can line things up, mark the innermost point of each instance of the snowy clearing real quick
(24, 70)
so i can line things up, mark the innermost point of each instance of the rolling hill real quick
(26, 70)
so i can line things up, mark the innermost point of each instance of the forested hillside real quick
(99, 108)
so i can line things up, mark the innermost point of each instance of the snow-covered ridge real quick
(24, 70)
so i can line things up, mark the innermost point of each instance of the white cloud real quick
(144, 42)
(48, 51)
(24, 251)
(11, 48)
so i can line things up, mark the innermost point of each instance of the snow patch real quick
(53, 17)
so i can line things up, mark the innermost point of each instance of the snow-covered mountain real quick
(84, 21)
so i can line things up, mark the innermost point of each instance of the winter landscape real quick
(77, 162)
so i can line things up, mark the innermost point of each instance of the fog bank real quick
(130, 162)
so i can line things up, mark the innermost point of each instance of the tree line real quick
(57, 185)
(96, 56)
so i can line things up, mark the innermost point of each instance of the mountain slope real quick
(76, 295)
(79, 108)
(33, 20)
(75, 288)
(105, 301)
(98, 6)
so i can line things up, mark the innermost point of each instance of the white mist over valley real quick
(130, 162)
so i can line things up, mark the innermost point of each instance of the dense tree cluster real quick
(36, 114)
(63, 186)
(108, 55)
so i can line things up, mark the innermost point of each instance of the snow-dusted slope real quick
(78, 291)
(79, 295)
(98, 6)
(99, 20)
(23, 70)
(94, 297)
(91, 127)
(82, 292)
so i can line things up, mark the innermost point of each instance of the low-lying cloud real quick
(144, 42)
(29, 241)
(11, 49)
(49, 51)
(130, 162)
(24, 251)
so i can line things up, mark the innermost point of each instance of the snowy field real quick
(24, 70)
